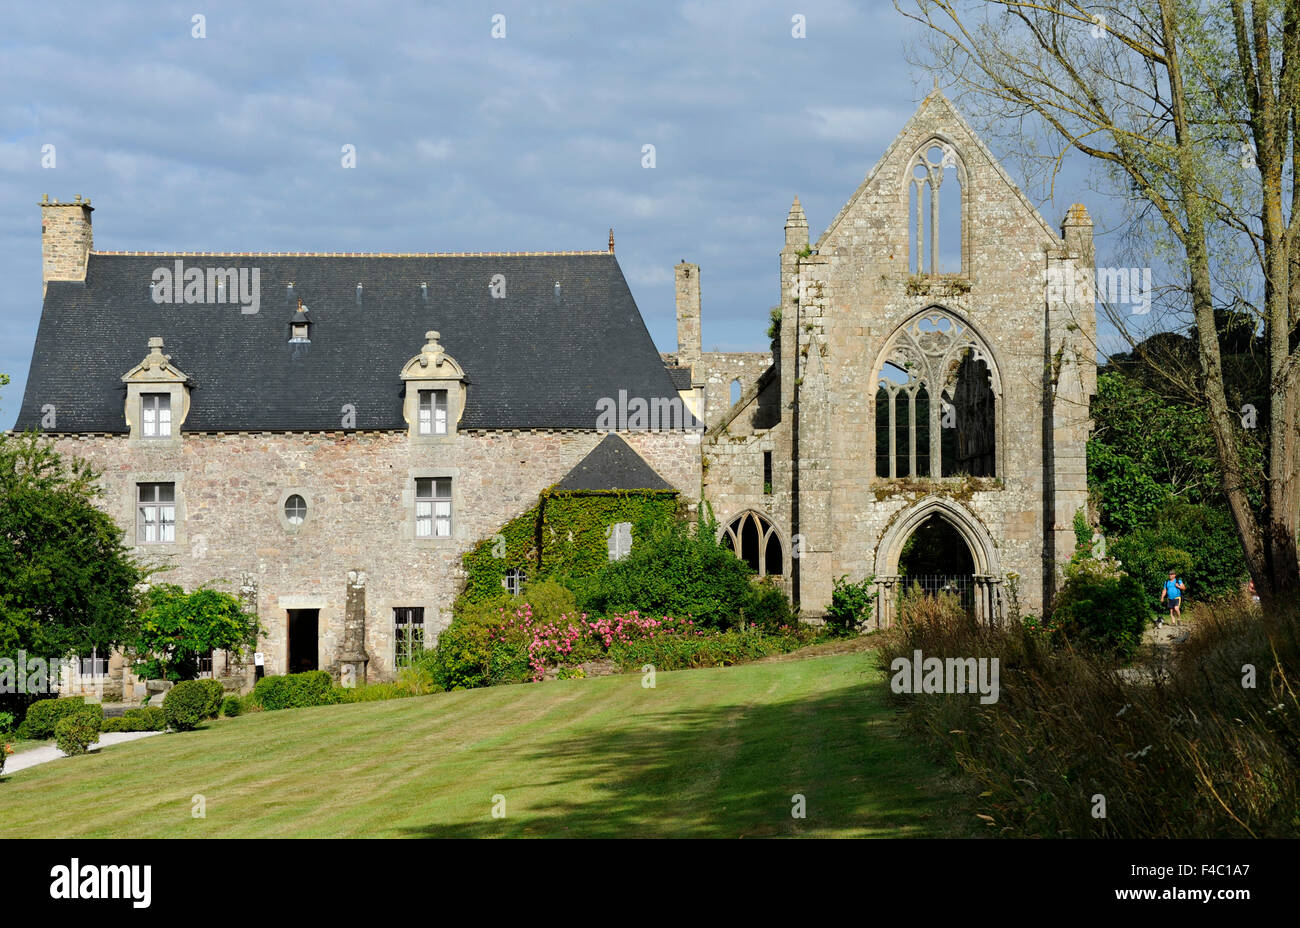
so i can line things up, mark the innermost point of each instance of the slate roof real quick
(613, 465)
(681, 377)
(537, 358)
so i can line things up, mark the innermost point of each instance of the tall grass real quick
(1173, 746)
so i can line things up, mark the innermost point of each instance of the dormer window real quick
(300, 326)
(157, 398)
(435, 393)
(433, 412)
(156, 415)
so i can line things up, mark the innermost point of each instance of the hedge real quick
(44, 714)
(295, 690)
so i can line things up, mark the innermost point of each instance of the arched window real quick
(735, 392)
(935, 177)
(936, 401)
(754, 540)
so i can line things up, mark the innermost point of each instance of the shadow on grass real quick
(723, 771)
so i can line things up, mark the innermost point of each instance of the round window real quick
(295, 509)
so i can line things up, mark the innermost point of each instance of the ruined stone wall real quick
(716, 370)
(845, 302)
(360, 492)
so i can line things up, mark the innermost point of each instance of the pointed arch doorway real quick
(940, 535)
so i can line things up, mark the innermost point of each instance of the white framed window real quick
(433, 412)
(156, 415)
(408, 633)
(155, 513)
(619, 538)
(514, 581)
(433, 507)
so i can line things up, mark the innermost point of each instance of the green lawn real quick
(706, 753)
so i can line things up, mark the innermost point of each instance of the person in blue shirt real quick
(1173, 592)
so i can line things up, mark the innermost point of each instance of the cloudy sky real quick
(464, 142)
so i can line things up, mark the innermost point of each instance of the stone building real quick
(326, 434)
(329, 433)
(923, 416)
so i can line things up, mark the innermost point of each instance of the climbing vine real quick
(564, 535)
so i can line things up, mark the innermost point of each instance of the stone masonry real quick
(844, 299)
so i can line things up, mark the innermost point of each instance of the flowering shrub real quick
(631, 639)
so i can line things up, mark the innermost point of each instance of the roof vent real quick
(300, 327)
(557, 291)
(358, 293)
(424, 292)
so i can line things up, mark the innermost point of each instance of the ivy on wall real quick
(564, 535)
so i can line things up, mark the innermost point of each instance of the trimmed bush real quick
(216, 693)
(44, 714)
(231, 707)
(188, 703)
(295, 690)
(152, 717)
(76, 732)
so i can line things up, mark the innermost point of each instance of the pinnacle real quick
(796, 217)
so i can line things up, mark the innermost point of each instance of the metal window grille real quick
(408, 634)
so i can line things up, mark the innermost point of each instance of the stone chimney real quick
(689, 343)
(796, 227)
(66, 240)
(1076, 231)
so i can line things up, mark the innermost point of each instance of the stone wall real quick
(360, 492)
(841, 303)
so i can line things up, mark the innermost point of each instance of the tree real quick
(1189, 111)
(177, 628)
(67, 584)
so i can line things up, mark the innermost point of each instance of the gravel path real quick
(25, 759)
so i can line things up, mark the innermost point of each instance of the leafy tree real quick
(67, 584)
(177, 628)
(1198, 541)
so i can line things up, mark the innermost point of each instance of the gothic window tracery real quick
(936, 395)
(755, 541)
(935, 178)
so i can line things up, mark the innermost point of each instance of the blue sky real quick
(464, 142)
